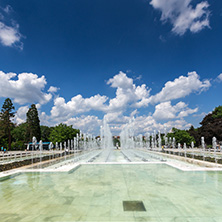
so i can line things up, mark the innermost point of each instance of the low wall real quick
(53, 159)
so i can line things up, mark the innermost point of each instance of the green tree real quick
(195, 133)
(19, 136)
(181, 136)
(33, 123)
(211, 125)
(6, 123)
(116, 140)
(45, 132)
(217, 113)
(62, 133)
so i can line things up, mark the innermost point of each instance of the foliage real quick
(18, 145)
(19, 136)
(181, 136)
(211, 125)
(45, 133)
(33, 123)
(116, 141)
(196, 134)
(6, 123)
(217, 113)
(62, 133)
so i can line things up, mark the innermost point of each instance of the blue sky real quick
(156, 60)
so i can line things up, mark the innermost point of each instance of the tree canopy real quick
(33, 123)
(211, 125)
(7, 112)
(181, 136)
(62, 133)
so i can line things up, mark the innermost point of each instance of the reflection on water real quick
(96, 192)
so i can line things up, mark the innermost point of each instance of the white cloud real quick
(27, 88)
(180, 88)
(127, 93)
(183, 15)
(20, 115)
(128, 96)
(166, 111)
(219, 77)
(77, 105)
(9, 36)
(116, 117)
(53, 89)
(87, 124)
(144, 124)
(9, 29)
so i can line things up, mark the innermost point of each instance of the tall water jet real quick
(185, 150)
(148, 140)
(159, 141)
(174, 142)
(34, 143)
(179, 148)
(214, 145)
(127, 136)
(192, 148)
(203, 147)
(106, 136)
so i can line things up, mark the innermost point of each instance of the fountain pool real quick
(95, 192)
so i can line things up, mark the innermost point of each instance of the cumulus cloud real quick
(182, 15)
(127, 92)
(180, 87)
(53, 89)
(129, 98)
(166, 111)
(86, 124)
(116, 117)
(144, 124)
(26, 88)
(77, 105)
(20, 115)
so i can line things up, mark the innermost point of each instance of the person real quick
(2, 149)
(117, 146)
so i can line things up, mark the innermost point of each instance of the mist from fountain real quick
(106, 136)
(127, 136)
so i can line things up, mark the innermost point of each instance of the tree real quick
(181, 136)
(6, 123)
(62, 133)
(195, 133)
(33, 123)
(212, 125)
(45, 133)
(19, 136)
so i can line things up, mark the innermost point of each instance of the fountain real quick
(106, 136)
(185, 150)
(192, 149)
(203, 147)
(159, 141)
(214, 146)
